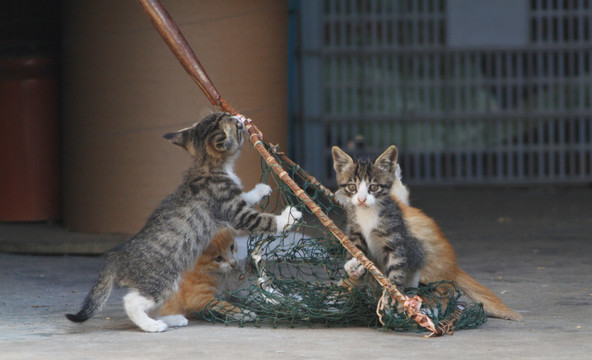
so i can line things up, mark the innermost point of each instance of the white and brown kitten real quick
(375, 223)
(150, 264)
(439, 257)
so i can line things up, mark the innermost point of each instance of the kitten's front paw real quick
(262, 190)
(257, 194)
(354, 269)
(287, 218)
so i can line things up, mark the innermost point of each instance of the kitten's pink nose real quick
(362, 200)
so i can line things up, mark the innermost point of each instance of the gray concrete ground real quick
(533, 247)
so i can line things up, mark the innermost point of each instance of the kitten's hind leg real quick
(174, 320)
(136, 307)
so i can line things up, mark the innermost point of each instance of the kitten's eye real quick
(373, 188)
(232, 247)
(219, 259)
(352, 188)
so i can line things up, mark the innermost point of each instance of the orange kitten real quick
(215, 271)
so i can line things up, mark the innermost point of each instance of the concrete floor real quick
(531, 246)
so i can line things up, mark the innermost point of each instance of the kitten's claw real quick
(354, 269)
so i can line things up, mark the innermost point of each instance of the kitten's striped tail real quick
(479, 293)
(95, 299)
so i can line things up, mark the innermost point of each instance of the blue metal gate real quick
(471, 91)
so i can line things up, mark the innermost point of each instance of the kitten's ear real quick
(205, 112)
(341, 160)
(179, 138)
(387, 161)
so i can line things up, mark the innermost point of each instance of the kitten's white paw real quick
(136, 306)
(257, 194)
(287, 218)
(354, 269)
(175, 320)
(262, 190)
(153, 326)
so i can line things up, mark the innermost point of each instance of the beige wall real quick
(123, 89)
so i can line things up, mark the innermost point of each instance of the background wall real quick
(123, 89)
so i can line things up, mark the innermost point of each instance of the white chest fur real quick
(368, 220)
(230, 172)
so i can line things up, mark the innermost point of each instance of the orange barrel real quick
(29, 140)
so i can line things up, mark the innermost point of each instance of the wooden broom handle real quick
(175, 40)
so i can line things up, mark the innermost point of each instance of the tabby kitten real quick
(216, 271)
(150, 264)
(374, 221)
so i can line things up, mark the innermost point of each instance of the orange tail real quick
(492, 304)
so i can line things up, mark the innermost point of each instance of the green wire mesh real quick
(296, 277)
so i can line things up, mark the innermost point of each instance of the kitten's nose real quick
(362, 200)
(233, 263)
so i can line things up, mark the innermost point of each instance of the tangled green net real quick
(296, 276)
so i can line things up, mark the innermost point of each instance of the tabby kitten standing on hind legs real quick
(210, 197)
(439, 257)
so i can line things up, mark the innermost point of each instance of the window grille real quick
(376, 73)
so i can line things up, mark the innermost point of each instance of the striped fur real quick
(150, 264)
